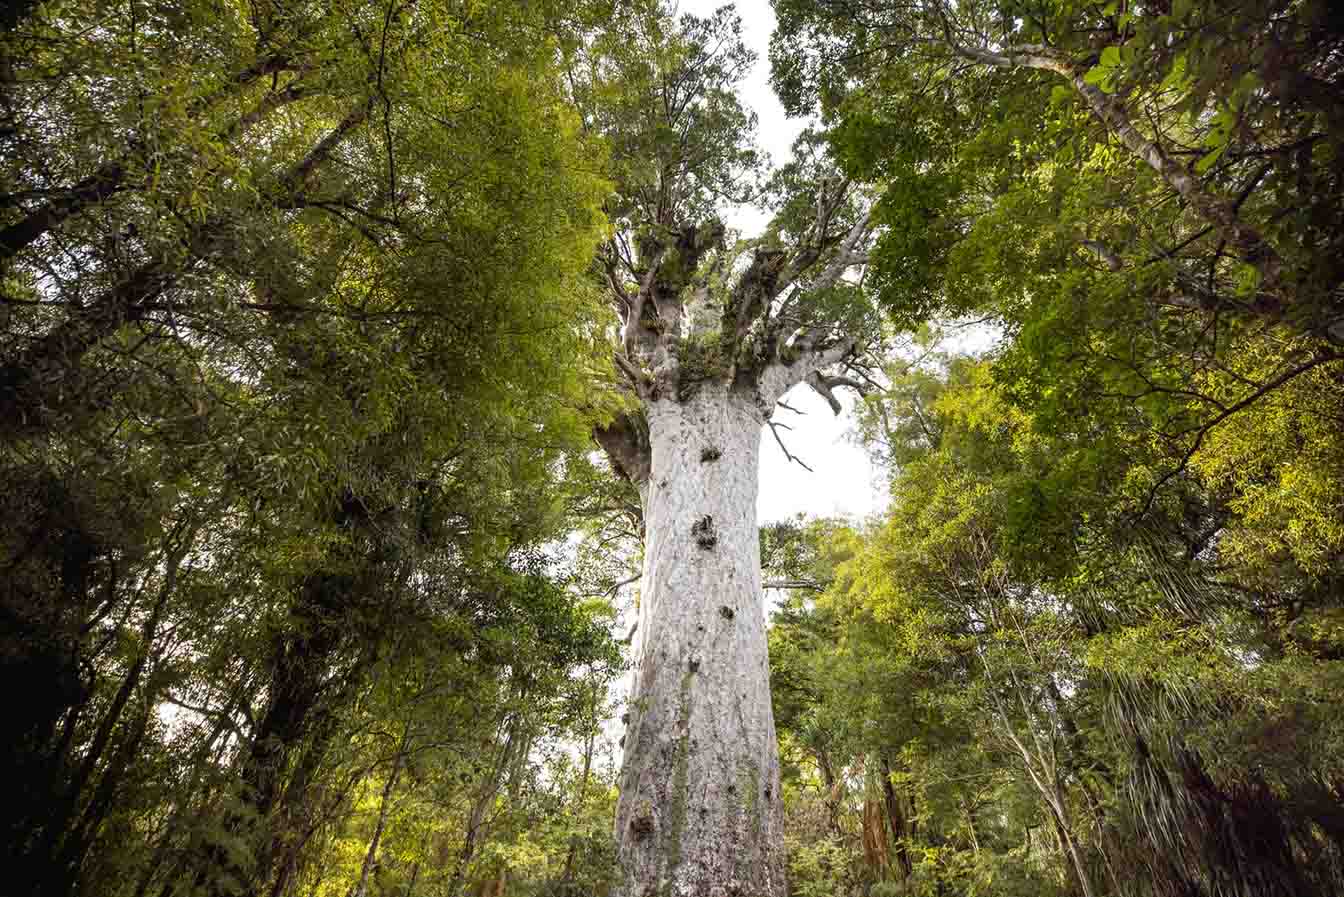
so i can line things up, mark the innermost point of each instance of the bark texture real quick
(699, 811)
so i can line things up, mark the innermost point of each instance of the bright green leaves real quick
(330, 318)
(1280, 466)
(928, 161)
(1218, 138)
(1113, 550)
(1011, 646)
(1111, 67)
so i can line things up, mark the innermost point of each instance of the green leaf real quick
(1208, 160)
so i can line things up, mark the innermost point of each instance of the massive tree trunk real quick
(699, 811)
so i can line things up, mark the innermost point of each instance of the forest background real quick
(311, 572)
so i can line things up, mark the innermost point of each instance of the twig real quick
(774, 428)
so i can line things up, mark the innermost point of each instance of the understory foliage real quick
(1095, 644)
(1003, 691)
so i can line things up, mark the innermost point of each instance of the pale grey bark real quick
(1040, 763)
(712, 334)
(699, 811)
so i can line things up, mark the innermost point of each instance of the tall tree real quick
(713, 332)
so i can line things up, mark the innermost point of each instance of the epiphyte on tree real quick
(703, 532)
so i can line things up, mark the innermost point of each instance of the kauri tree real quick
(713, 333)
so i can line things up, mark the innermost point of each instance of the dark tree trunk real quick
(301, 657)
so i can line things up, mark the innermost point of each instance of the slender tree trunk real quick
(970, 825)
(131, 682)
(362, 885)
(415, 876)
(699, 812)
(1042, 773)
(832, 791)
(81, 838)
(1069, 870)
(485, 796)
(896, 819)
(186, 798)
(300, 661)
(289, 865)
(579, 796)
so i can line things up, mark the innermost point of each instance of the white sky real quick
(844, 481)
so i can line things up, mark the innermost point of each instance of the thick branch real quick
(36, 379)
(847, 255)
(626, 443)
(752, 294)
(631, 372)
(825, 385)
(828, 203)
(780, 376)
(1107, 255)
(637, 334)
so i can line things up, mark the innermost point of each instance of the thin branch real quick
(1204, 429)
(800, 584)
(616, 587)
